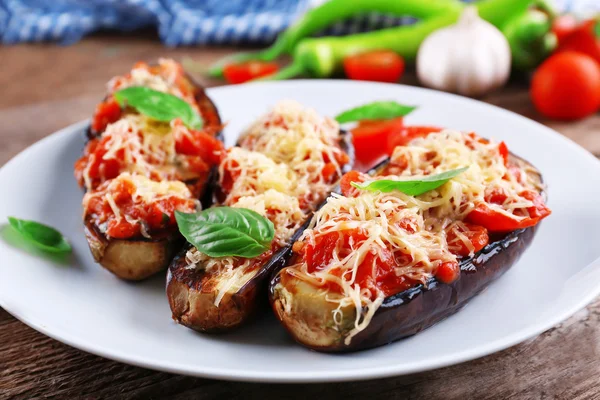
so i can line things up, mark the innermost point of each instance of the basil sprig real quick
(411, 187)
(375, 110)
(227, 231)
(42, 236)
(158, 105)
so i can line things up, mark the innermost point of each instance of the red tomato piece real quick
(495, 221)
(477, 235)
(244, 72)
(448, 272)
(503, 149)
(370, 140)
(380, 66)
(106, 113)
(404, 136)
(345, 183)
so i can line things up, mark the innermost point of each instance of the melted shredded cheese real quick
(413, 229)
(146, 192)
(145, 146)
(299, 137)
(279, 162)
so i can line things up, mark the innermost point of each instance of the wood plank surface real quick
(47, 87)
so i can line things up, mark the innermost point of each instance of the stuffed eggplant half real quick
(139, 167)
(284, 166)
(408, 244)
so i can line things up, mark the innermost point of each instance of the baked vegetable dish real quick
(153, 147)
(284, 166)
(409, 243)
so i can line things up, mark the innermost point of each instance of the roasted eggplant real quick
(308, 316)
(192, 292)
(140, 256)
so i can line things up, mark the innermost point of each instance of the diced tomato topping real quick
(539, 209)
(496, 221)
(404, 136)
(106, 113)
(448, 272)
(345, 183)
(477, 235)
(329, 171)
(370, 138)
(201, 144)
(503, 149)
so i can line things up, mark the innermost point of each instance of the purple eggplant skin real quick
(191, 297)
(140, 257)
(403, 314)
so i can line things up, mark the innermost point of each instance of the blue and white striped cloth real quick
(180, 22)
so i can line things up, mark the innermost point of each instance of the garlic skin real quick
(471, 57)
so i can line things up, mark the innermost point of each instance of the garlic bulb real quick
(471, 57)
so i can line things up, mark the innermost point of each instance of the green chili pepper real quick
(531, 39)
(333, 11)
(321, 57)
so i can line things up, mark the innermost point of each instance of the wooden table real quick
(46, 87)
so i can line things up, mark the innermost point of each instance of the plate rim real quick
(307, 376)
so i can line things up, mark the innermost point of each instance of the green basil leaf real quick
(411, 187)
(227, 231)
(375, 110)
(597, 29)
(43, 236)
(158, 105)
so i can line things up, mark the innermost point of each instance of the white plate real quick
(86, 307)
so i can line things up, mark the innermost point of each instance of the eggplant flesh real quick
(139, 258)
(192, 293)
(308, 317)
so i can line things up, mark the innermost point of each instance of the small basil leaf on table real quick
(42, 236)
(376, 110)
(411, 187)
(158, 105)
(227, 231)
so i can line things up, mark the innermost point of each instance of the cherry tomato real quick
(380, 66)
(563, 26)
(106, 113)
(244, 72)
(370, 140)
(584, 39)
(408, 133)
(567, 86)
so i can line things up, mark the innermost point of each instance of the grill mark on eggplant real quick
(413, 310)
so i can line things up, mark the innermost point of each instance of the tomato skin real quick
(567, 86)
(583, 39)
(497, 222)
(379, 66)
(106, 113)
(477, 235)
(408, 133)
(448, 272)
(244, 72)
(563, 26)
(370, 139)
(345, 183)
